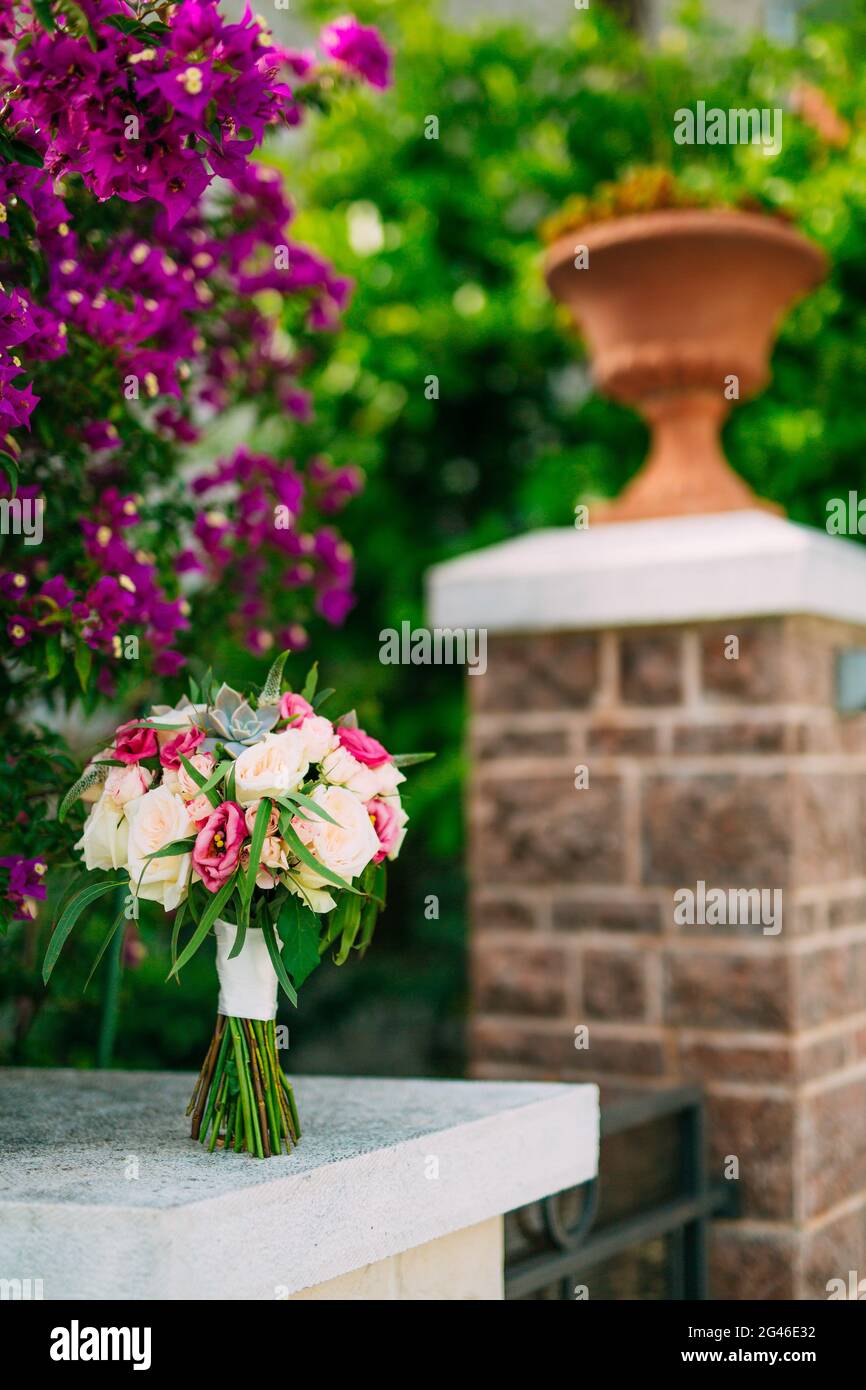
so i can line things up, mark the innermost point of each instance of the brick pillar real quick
(738, 772)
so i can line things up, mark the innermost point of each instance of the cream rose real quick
(123, 784)
(271, 768)
(346, 846)
(105, 836)
(272, 862)
(307, 886)
(155, 820)
(343, 770)
(318, 735)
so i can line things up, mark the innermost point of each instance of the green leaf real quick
(43, 12)
(155, 724)
(350, 922)
(53, 658)
(310, 683)
(308, 802)
(276, 961)
(192, 900)
(88, 778)
(176, 926)
(105, 944)
(369, 917)
(201, 781)
(169, 851)
(322, 697)
(70, 916)
(240, 934)
(231, 789)
(291, 836)
(208, 917)
(270, 692)
(260, 829)
(299, 928)
(83, 663)
(10, 468)
(408, 759)
(25, 154)
(219, 772)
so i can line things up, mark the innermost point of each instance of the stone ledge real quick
(639, 573)
(197, 1226)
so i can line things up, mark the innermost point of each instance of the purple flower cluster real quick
(118, 593)
(127, 328)
(257, 536)
(26, 885)
(154, 110)
(144, 110)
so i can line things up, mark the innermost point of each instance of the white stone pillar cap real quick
(670, 570)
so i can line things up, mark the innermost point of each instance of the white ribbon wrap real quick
(248, 984)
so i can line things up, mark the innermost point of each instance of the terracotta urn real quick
(679, 310)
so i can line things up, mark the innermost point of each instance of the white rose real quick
(105, 835)
(125, 783)
(271, 768)
(402, 821)
(343, 770)
(388, 778)
(347, 842)
(307, 886)
(318, 735)
(155, 820)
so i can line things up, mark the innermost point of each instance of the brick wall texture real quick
(737, 771)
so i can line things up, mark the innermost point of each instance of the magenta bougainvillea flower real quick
(149, 282)
(360, 48)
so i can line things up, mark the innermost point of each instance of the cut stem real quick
(242, 1101)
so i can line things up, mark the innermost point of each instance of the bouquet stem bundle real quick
(242, 1099)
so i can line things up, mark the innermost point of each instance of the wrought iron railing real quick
(551, 1245)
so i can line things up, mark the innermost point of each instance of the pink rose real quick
(131, 743)
(362, 747)
(252, 812)
(218, 844)
(387, 825)
(185, 743)
(203, 763)
(124, 783)
(296, 708)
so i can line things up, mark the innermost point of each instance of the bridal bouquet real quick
(260, 820)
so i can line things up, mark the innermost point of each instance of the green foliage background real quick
(516, 437)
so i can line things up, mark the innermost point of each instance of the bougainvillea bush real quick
(149, 283)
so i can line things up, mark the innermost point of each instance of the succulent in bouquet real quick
(258, 820)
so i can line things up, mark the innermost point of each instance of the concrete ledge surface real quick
(670, 570)
(103, 1194)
